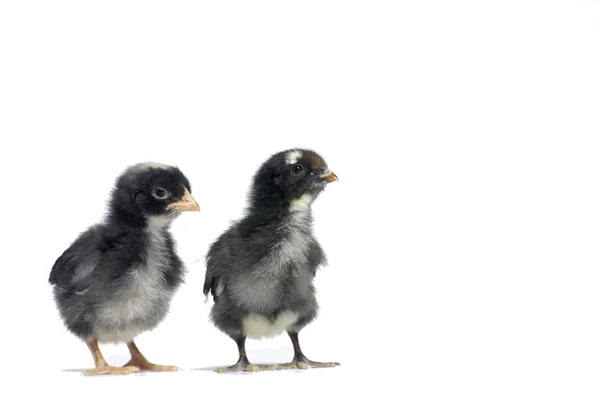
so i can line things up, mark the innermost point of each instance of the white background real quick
(463, 233)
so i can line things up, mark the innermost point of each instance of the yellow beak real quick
(187, 203)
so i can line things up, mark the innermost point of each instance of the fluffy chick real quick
(117, 279)
(260, 271)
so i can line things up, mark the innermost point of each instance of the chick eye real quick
(297, 169)
(159, 193)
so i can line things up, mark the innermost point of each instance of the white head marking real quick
(293, 157)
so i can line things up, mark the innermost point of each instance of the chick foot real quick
(139, 361)
(103, 368)
(111, 370)
(305, 363)
(300, 361)
(245, 366)
(149, 366)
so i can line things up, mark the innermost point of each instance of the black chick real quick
(118, 277)
(260, 271)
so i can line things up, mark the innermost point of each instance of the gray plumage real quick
(260, 271)
(116, 304)
(118, 278)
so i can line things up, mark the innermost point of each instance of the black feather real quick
(117, 278)
(264, 264)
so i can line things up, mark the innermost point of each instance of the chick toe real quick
(138, 360)
(245, 367)
(306, 364)
(152, 367)
(111, 370)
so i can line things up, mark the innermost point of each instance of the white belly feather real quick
(258, 326)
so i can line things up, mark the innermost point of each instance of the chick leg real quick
(138, 360)
(243, 365)
(102, 368)
(300, 361)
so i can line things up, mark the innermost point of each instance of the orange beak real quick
(187, 203)
(331, 177)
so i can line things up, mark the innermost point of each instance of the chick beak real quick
(187, 203)
(330, 177)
